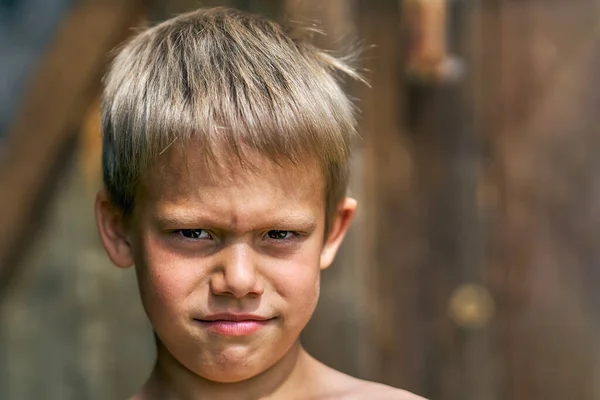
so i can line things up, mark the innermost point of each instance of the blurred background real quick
(472, 271)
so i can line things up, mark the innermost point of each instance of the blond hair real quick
(225, 79)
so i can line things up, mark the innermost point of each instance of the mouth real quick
(233, 324)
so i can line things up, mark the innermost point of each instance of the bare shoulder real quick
(378, 391)
(345, 387)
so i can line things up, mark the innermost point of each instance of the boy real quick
(225, 161)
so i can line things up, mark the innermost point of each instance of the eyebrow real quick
(304, 221)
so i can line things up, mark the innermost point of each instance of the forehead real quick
(180, 177)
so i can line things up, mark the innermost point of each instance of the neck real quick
(286, 379)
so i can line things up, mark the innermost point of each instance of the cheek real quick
(297, 281)
(300, 279)
(165, 279)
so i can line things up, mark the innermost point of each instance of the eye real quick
(195, 234)
(280, 235)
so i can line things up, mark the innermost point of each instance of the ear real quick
(113, 231)
(339, 227)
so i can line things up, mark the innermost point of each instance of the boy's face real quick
(228, 260)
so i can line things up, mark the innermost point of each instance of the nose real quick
(236, 274)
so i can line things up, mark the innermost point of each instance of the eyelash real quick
(180, 233)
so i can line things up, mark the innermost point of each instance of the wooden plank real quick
(391, 232)
(72, 325)
(62, 88)
(538, 119)
(420, 177)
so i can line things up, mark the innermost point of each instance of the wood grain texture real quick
(495, 181)
(421, 159)
(538, 119)
(66, 81)
(391, 230)
(72, 326)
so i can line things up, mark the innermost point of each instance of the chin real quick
(229, 376)
(239, 363)
(232, 373)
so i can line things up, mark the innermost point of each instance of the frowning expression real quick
(228, 259)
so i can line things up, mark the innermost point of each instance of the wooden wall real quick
(471, 270)
(538, 124)
(72, 326)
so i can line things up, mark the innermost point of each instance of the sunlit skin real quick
(228, 261)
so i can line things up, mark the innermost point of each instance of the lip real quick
(229, 324)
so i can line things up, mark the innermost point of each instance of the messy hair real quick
(225, 79)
